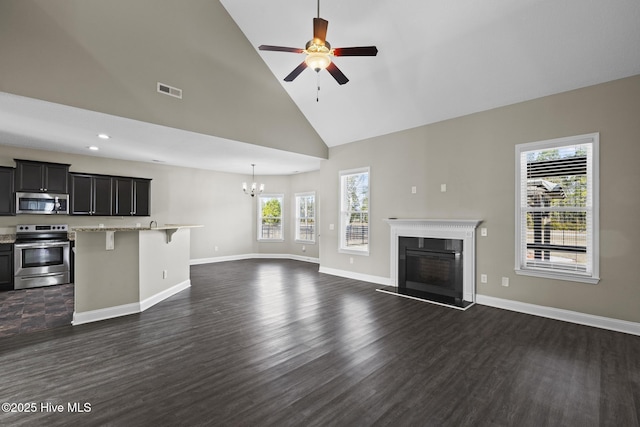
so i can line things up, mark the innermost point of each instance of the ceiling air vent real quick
(169, 90)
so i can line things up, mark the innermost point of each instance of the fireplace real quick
(430, 268)
(434, 260)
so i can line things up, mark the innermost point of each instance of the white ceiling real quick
(437, 60)
(441, 59)
(31, 123)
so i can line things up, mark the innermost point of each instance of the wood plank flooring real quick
(275, 343)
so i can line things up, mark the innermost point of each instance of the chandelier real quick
(254, 187)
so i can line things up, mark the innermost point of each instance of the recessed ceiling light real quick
(103, 136)
(93, 148)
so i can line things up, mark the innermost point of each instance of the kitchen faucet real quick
(151, 224)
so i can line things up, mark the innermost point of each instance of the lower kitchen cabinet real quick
(6, 267)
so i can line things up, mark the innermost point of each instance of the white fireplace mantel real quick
(460, 229)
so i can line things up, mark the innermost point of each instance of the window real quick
(306, 217)
(557, 208)
(270, 221)
(354, 211)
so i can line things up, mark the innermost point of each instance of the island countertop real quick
(93, 228)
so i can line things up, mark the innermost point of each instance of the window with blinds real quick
(557, 208)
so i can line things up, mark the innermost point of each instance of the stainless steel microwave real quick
(42, 203)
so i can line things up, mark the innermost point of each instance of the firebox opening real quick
(431, 269)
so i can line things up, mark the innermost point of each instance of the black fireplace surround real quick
(431, 269)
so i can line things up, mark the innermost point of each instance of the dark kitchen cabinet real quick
(7, 201)
(90, 194)
(6, 267)
(41, 177)
(131, 196)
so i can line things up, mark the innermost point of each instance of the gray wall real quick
(63, 52)
(186, 196)
(178, 195)
(474, 156)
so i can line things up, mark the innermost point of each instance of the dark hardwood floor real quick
(274, 342)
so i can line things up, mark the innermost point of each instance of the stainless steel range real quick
(41, 256)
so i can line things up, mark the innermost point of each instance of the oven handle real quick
(40, 245)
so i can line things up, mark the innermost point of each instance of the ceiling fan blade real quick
(292, 75)
(356, 51)
(280, 48)
(320, 30)
(337, 74)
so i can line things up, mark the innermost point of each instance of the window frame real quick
(591, 210)
(342, 247)
(259, 199)
(296, 215)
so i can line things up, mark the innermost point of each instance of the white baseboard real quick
(379, 280)
(253, 256)
(161, 296)
(105, 313)
(560, 314)
(127, 309)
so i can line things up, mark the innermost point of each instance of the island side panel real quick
(106, 279)
(157, 256)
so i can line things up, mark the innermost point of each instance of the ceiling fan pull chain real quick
(318, 87)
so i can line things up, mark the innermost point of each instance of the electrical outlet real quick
(304, 248)
(443, 188)
(483, 231)
(483, 278)
(414, 190)
(505, 281)
(164, 274)
(215, 248)
(351, 260)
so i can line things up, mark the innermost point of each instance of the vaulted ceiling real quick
(70, 69)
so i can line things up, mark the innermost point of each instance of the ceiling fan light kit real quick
(319, 52)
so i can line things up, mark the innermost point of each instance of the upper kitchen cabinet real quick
(41, 177)
(7, 201)
(131, 196)
(90, 194)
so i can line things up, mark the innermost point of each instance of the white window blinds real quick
(557, 212)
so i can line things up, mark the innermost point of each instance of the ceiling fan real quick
(319, 52)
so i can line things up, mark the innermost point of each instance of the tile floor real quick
(28, 310)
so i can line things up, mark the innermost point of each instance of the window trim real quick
(341, 247)
(594, 239)
(296, 212)
(259, 215)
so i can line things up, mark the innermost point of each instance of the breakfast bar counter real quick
(125, 270)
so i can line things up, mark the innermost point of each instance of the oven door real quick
(41, 258)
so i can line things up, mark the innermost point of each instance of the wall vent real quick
(169, 90)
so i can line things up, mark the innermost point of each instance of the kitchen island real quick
(125, 270)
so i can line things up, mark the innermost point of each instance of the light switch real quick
(483, 231)
(505, 281)
(414, 190)
(443, 188)
(331, 227)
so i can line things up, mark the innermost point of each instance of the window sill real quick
(270, 240)
(306, 242)
(558, 276)
(353, 252)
